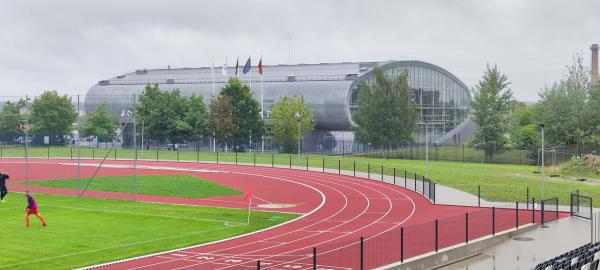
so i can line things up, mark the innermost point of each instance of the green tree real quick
(491, 111)
(563, 106)
(284, 119)
(167, 116)
(10, 117)
(196, 117)
(592, 121)
(100, 124)
(386, 115)
(52, 115)
(246, 111)
(222, 120)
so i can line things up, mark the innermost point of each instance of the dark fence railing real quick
(581, 206)
(369, 251)
(402, 243)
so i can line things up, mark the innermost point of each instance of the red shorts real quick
(32, 211)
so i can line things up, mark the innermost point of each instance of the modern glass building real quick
(330, 88)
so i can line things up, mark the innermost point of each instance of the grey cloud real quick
(69, 45)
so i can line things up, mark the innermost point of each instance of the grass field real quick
(499, 182)
(184, 186)
(86, 231)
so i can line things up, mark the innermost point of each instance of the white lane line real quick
(323, 200)
(334, 183)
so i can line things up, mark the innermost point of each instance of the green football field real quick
(87, 231)
(184, 186)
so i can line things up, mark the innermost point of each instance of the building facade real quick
(331, 89)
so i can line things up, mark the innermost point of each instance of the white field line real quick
(113, 247)
(323, 200)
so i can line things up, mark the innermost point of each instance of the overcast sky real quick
(69, 45)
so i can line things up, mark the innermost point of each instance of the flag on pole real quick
(248, 195)
(224, 70)
(260, 66)
(247, 66)
(237, 65)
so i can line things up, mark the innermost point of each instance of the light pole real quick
(25, 125)
(299, 123)
(426, 149)
(542, 161)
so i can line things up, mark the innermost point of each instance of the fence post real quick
(2, 154)
(178, 154)
(272, 160)
(93, 153)
(115, 153)
(423, 182)
(517, 214)
(571, 203)
(314, 258)
(493, 220)
(533, 210)
(466, 227)
(197, 154)
(339, 166)
(290, 161)
(369, 170)
(479, 195)
(415, 182)
(71, 152)
(354, 168)
(254, 159)
(307, 163)
(381, 173)
(236, 160)
(463, 153)
(217, 157)
(157, 156)
(436, 152)
(436, 235)
(404, 178)
(527, 198)
(542, 221)
(433, 192)
(394, 176)
(401, 244)
(362, 251)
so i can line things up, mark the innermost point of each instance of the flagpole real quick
(262, 104)
(249, 205)
(212, 71)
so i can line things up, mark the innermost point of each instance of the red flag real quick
(260, 67)
(248, 195)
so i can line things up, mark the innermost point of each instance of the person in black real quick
(3, 190)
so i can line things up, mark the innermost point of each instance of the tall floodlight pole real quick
(78, 146)
(134, 146)
(426, 149)
(299, 122)
(542, 160)
(143, 127)
(262, 106)
(26, 142)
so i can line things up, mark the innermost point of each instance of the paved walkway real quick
(530, 248)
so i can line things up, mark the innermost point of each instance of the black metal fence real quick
(581, 206)
(400, 244)
(549, 210)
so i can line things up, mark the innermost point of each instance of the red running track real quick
(337, 211)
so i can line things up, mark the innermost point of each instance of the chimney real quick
(594, 49)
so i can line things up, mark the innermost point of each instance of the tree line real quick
(567, 109)
(233, 118)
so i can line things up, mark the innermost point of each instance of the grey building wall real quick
(329, 88)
